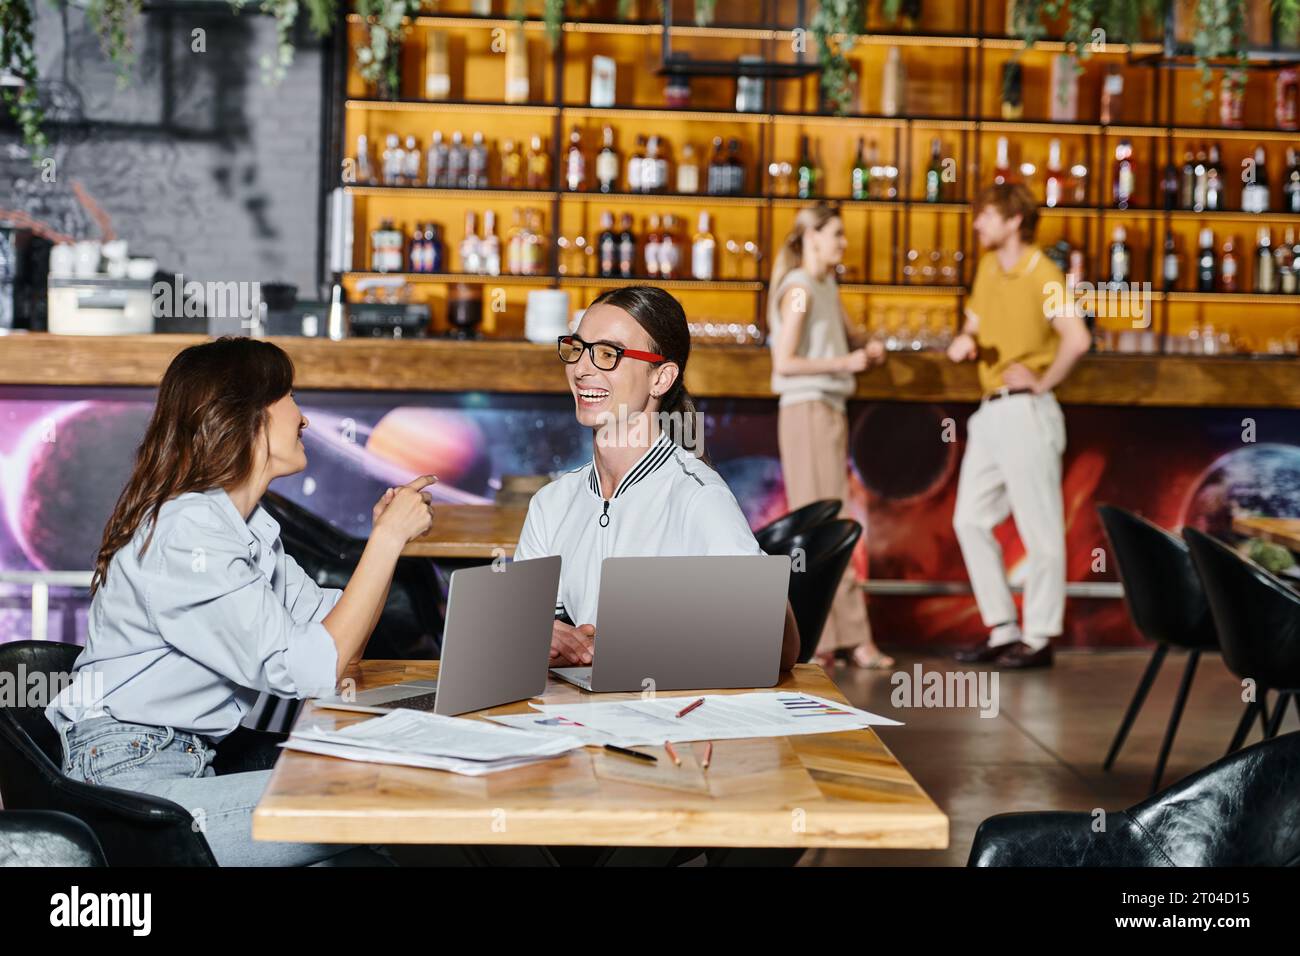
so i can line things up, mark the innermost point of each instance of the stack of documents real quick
(419, 739)
(720, 717)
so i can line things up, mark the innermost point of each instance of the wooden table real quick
(826, 790)
(1283, 531)
(469, 531)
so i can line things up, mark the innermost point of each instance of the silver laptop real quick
(495, 647)
(685, 623)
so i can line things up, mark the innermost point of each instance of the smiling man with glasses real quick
(643, 493)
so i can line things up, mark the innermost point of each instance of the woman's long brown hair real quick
(211, 407)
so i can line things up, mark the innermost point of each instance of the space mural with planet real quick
(65, 454)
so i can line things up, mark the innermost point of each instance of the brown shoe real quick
(1021, 656)
(984, 653)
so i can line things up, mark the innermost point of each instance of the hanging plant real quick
(18, 59)
(111, 19)
(379, 59)
(704, 12)
(835, 28)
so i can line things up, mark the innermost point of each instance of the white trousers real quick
(1013, 467)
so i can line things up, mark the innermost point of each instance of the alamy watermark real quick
(20, 688)
(948, 689)
(1104, 300)
(194, 299)
(622, 429)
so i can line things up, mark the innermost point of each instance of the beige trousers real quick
(814, 442)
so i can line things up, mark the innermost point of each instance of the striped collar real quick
(655, 457)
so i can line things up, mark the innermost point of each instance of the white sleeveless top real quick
(823, 337)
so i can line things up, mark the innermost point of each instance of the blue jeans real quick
(178, 766)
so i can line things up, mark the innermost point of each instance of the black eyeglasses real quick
(604, 355)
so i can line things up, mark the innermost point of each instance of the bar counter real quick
(716, 371)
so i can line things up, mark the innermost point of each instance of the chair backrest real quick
(410, 625)
(1239, 811)
(134, 829)
(1161, 587)
(819, 557)
(47, 838)
(1256, 615)
(771, 537)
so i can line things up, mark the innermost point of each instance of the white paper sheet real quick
(720, 717)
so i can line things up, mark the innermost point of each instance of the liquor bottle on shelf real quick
(1228, 266)
(363, 173)
(1265, 267)
(1121, 256)
(1064, 96)
(1254, 194)
(471, 259)
(607, 247)
(1002, 164)
(435, 166)
(893, 84)
(515, 244)
(1169, 186)
(1207, 264)
(735, 169)
(391, 161)
(476, 171)
(1125, 175)
(457, 162)
(1054, 185)
(703, 251)
(1291, 184)
(860, 177)
(1295, 256)
(437, 77)
(433, 256)
(410, 162)
(1112, 95)
(538, 164)
(517, 90)
(934, 173)
(1286, 263)
(636, 166)
(575, 164)
(1079, 182)
(1232, 99)
(1200, 174)
(654, 178)
(386, 248)
(1171, 263)
(512, 165)
(910, 11)
(534, 251)
(651, 252)
(626, 247)
(490, 245)
(1213, 180)
(1187, 182)
(1286, 98)
(807, 172)
(670, 249)
(688, 172)
(607, 162)
(415, 249)
(1013, 102)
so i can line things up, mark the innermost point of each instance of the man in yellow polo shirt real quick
(1021, 328)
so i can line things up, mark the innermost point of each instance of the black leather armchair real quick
(134, 829)
(46, 838)
(823, 553)
(1243, 810)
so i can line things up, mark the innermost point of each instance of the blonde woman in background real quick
(813, 369)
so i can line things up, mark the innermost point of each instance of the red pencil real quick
(668, 747)
(689, 707)
(708, 754)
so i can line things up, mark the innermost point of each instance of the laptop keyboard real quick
(419, 702)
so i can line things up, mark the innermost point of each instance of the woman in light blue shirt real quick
(196, 608)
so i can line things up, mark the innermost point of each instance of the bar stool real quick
(1167, 605)
(823, 553)
(771, 536)
(1258, 620)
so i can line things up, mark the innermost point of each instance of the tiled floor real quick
(1045, 747)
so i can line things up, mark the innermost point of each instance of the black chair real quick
(1258, 620)
(47, 838)
(819, 557)
(1168, 606)
(1240, 811)
(410, 626)
(134, 829)
(771, 537)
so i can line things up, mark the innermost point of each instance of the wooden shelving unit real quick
(954, 60)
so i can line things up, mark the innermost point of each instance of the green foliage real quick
(18, 54)
(835, 27)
